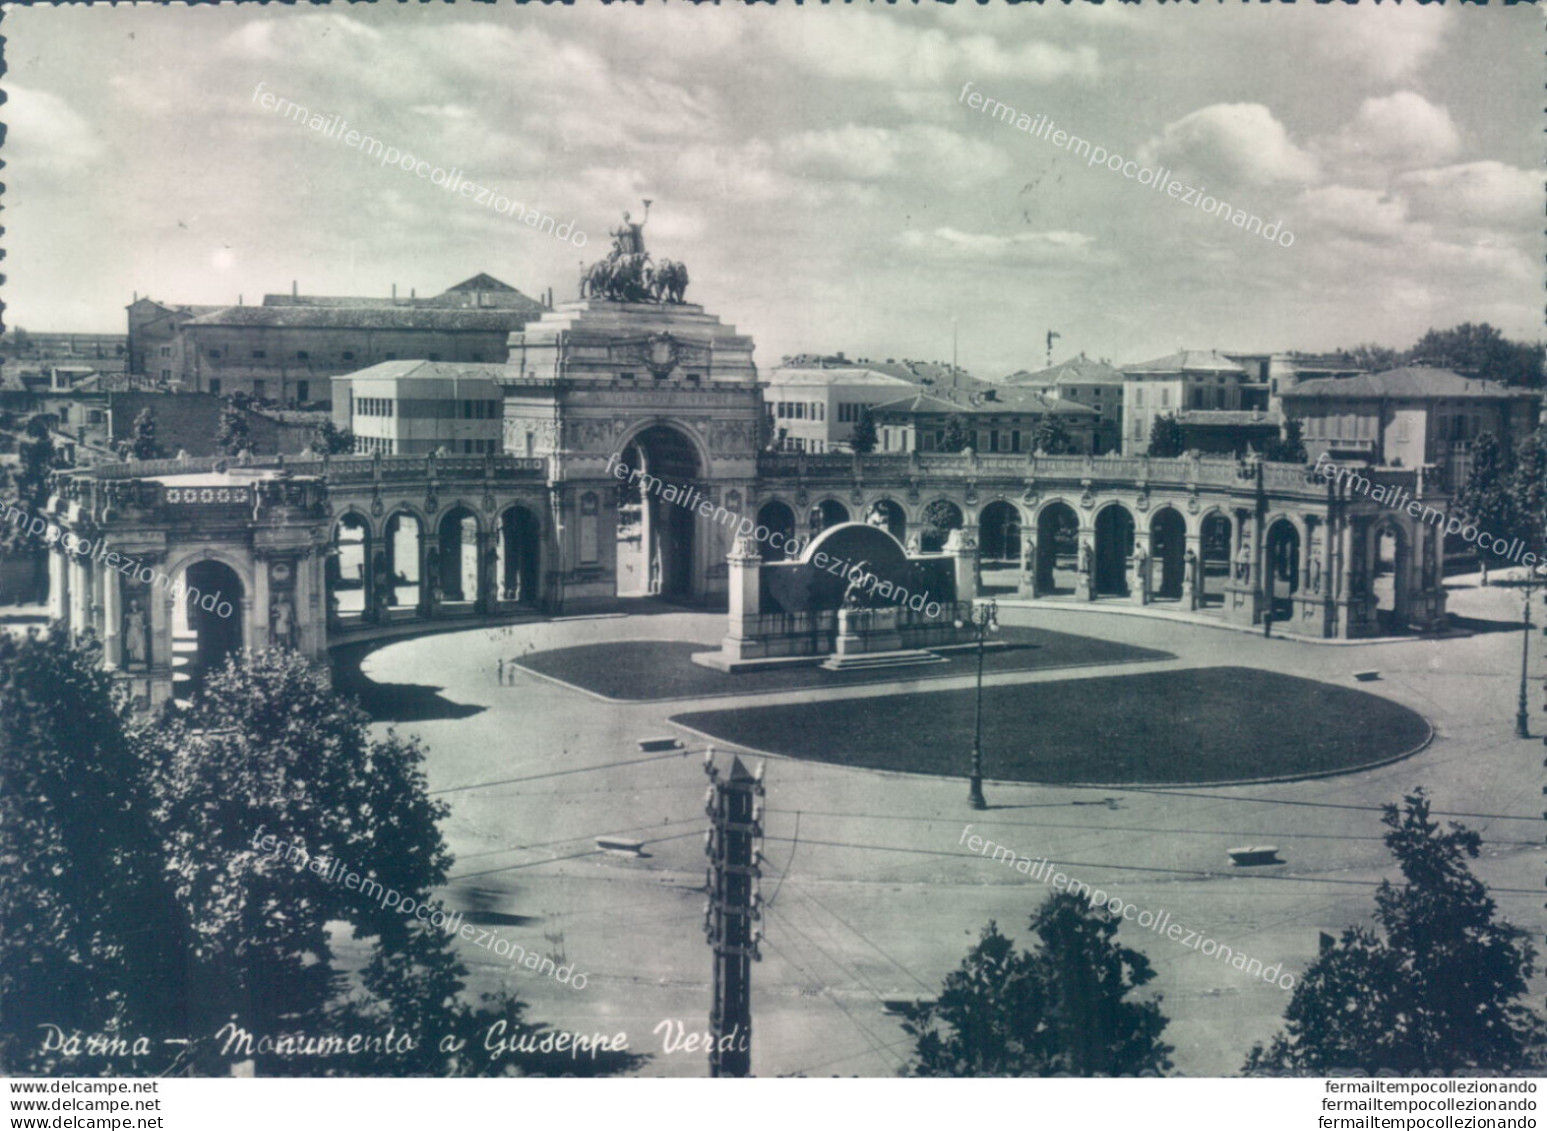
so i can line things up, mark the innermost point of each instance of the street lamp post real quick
(1522, 718)
(984, 619)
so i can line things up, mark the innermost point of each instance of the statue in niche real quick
(1029, 556)
(1087, 552)
(1243, 563)
(136, 637)
(1315, 573)
(282, 620)
(1190, 571)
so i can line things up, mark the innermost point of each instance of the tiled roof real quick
(1409, 381)
(1076, 371)
(835, 375)
(1007, 402)
(1187, 361)
(433, 370)
(364, 318)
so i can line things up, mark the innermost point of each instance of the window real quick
(1138, 397)
(1165, 398)
(390, 356)
(166, 374)
(302, 355)
(215, 354)
(435, 357)
(695, 376)
(348, 355)
(259, 354)
(260, 388)
(821, 411)
(1015, 440)
(303, 391)
(629, 376)
(214, 385)
(166, 351)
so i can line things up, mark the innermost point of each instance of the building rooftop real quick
(1408, 381)
(428, 370)
(835, 375)
(1076, 371)
(371, 318)
(1187, 361)
(1005, 402)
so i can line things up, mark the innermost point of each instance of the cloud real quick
(1237, 143)
(1360, 213)
(1041, 248)
(871, 153)
(46, 135)
(1479, 193)
(1397, 131)
(882, 47)
(1387, 43)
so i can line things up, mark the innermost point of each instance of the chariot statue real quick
(628, 274)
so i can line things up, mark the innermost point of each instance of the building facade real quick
(815, 408)
(1094, 384)
(416, 407)
(1190, 380)
(995, 420)
(1411, 417)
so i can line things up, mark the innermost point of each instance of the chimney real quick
(412, 293)
(394, 292)
(295, 288)
(239, 301)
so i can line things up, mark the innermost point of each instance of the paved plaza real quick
(871, 895)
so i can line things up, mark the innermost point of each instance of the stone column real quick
(258, 602)
(1084, 561)
(80, 596)
(160, 630)
(58, 586)
(962, 545)
(310, 617)
(1192, 575)
(743, 639)
(112, 616)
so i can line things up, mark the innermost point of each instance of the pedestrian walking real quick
(500, 668)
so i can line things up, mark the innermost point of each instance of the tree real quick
(237, 931)
(1437, 994)
(89, 927)
(1488, 496)
(1051, 437)
(1289, 448)
(1166, 440)
(939, 519)
(1529, 492)
(1059, 1009)
(1480, 351)
(142, 439)
(863, 439)
(957, 435)
(329, 439)
(233, 435)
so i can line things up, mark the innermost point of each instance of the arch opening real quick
(347, 580)
(1386, 579)
(518, 556)
(890, 517)
(1281, 569)
(779, 520)
(656, 535)
(1214, 568)
(454, 566)
(206, 625)
(940, 518)
(1058, 550)
(1168, 553)
(397, 575)
(1114, 546)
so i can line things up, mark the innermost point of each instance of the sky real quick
(818, 170)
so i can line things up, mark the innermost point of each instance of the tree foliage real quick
(958, 437)
(863, 438)
(1479, 350)
(1436, 992)
(173, 917)
(1166, 440)
(1051, 437)
(1288, 448)
(329, 439)
(1058, 1009)
(233, 436)
(1487, 497)
(142, 439)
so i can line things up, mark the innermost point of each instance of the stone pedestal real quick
(867, 630)
(962, 545)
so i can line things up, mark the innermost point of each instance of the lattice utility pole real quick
(733, 845)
